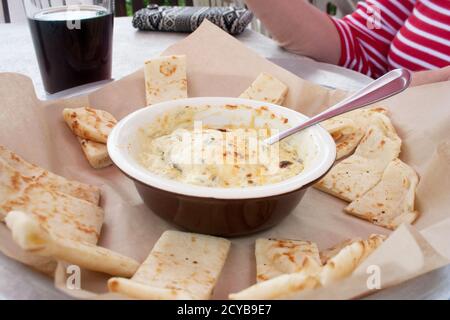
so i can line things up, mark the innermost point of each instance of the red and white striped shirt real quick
(386, 34)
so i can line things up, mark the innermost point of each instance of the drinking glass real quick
(72, 40)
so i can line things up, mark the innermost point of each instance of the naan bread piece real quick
(348, 129)
(351, 178)
(275, 257)
(165, 79)
(95, 153)
(338, 266)
(281, 287)
(181, 266)
(30, 236)
(88, 123)
(339, 127)
(138, 290)
(357, 174)
(391, 202)
(329, 253)
(266, 88)
(60, 214)
(345, 134)
(50, 180)
(351, 256)
(381, 140)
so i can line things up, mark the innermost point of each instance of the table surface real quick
(131, 49)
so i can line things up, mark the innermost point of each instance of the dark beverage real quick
(73, 47)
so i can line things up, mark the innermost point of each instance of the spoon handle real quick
(384, 87)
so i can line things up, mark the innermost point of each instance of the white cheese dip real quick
(214, 159)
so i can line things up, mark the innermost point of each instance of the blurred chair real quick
(4, 12)
(344, 7)
(338, 8)
(12, 11)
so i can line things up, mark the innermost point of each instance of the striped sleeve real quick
(424, 42)
(367, 33)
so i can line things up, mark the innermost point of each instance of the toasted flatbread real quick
(58, 213)
(49, 179)
(349, 257)
(281, 287)
(345, 134)
(180, 266)
(275, 257)
(340, 260)
(329, 253)
(266, 88)
(357, 174)
(391, 202)
(339, 127)
(381, 139)
(348, 129)
(96, 153)
(88, 123)
(31, 236)
(165, 79)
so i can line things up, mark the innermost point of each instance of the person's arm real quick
(430, 76)
(299, 27)
(359, 41)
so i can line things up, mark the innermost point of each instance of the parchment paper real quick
(219, 65)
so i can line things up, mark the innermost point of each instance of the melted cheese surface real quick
(220, 157)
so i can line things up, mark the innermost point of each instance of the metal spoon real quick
(384, 87)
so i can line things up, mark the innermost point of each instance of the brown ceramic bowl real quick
(222, 211)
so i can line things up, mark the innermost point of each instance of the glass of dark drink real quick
(72, 40)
